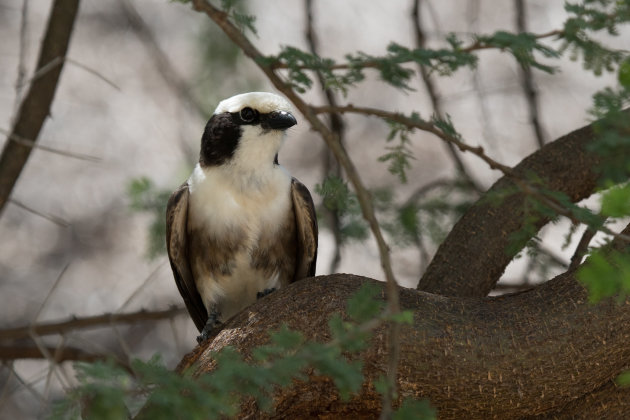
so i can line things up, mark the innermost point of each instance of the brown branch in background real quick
(429, 85)
(164, 67)
(97, 321)
(420, 125)
(162, 62)
(52, 218)
(487, 128)
(527, 78)
(59, 355)
(33, 144)
(363, 195)
(21, 70)
(36, 105)
(337, 126)
(582, 248)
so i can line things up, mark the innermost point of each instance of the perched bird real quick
(240, 226)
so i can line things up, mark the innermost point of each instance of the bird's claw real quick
(265, 293)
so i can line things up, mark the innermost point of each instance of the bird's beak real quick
(279, 120)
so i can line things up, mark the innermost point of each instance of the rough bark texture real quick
(473, 257)
(508, 357)
(36, 105)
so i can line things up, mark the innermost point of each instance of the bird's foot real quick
(211, 324)
(265, 293)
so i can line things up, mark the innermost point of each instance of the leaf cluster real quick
(521, 46)
(107, 391)
(606, 273)
(593, 16)
(146, 197)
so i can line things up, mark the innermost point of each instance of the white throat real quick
(255, 152)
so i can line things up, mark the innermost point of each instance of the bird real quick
(241, 226)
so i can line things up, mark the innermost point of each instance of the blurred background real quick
(82, 234)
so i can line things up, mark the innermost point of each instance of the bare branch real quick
(97, 321)
(162, 62)
(33, 145)
(56, 220)
(36, 105)
(582, 248)
(527, 77)
(337, 126)
(21, 71)
(433, 95)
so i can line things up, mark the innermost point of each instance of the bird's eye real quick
(247, 114)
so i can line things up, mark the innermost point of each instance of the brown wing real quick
(306, 227)
(177, 246)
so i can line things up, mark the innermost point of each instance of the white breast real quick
(222, 202)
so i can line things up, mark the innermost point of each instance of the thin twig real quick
(419, 124)
(139, 289)
(21, 71)
(58, 61)
(487, 127)
(337, 126)
(33, 145)
(582, 248)
(163, 64)
(527, 77)
(433, 95)
(38, 342)
(56, 220)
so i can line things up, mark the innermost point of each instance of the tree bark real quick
(506, 357)
(473, 257)
(36, 105)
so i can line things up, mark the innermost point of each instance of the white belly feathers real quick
(222, 203)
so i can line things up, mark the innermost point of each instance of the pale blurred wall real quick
(143, 129)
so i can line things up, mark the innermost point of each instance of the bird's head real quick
(246, 131)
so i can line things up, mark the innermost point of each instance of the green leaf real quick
(606, 275)
(364, 304)
(623, 379)
(404, 317)
(616, 201)
(411, 409)
(623, 74)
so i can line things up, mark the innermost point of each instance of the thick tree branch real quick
(473, 257)
(507, 357)
(36, 105)
(97, 321)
